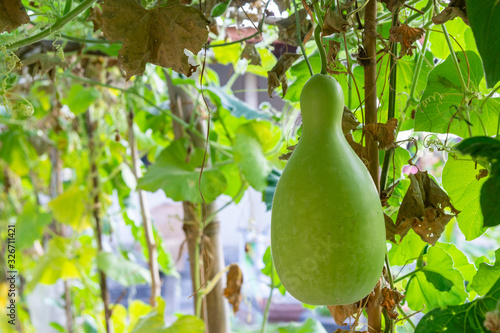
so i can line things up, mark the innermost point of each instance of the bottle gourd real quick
(327, 226)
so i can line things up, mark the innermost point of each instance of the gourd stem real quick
(321, 48)
(392, 102)
(299, 37)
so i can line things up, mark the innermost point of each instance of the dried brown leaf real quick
(393, 5)
(423, 209)
(455, 8)
(358, 149)
(282, 5)
(233, 289)
(390, 229)
(95, 17)
(391, 298)
(405, 35)
(341, 312)
(251, 53)
(349, 121)
(288, 28)
(385, 134)
(387, 193)
(158, 36)
(482, 173)
(277, 75)
(333, 23)
(334, 48)
(286, 157)
(12, 15)
(42, 63)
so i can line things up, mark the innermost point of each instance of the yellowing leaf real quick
(69, 208)
(158, 36)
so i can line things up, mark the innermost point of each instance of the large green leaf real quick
(122, 270)
(70, 208)
(437, 111)
(438, 284)
(486, 275)
(465, 318)
(407, 251)
(489, 201)
(250, 143)
(80, 98)
(236, 106)
(483, 17)
(461, 184)
(460, 260)
(30, 224)
(177, 173)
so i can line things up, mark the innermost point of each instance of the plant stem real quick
(409, 274)
(268, 303)
(58, 25)
(321, 48)
(146, 216)
(95, 191)
(299, 37)
(197, 280)
(392, 102)
(67, 6)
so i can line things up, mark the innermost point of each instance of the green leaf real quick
(486, 275)
(186, 323)
(12, 151)
(89, 325)
(462, 186)
(460, 260)
(136, 310)
(30, 224)
(249, 145)
(57, 327)
(270, 271)
(407, 251)
(178, 174)
(489, 201)
(468, 317)
(123, 271)
(272, 182)
(445, 286)
(437, 109)
(236, 106)
(220, 8)
(309, 326)
(80, 98)
(70, 208)
(480, 146)
(483, 17)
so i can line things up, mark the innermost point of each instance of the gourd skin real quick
(327, 225)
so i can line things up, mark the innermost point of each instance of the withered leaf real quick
(384, 134)
(282, 5)
(95, 17)
(393, 5)
(405, 35)
(286, 157)
(333, 23)
(391, 298)
(390, 229)
(288, 28)
(482, 173)
(233, 289)
(349, 121)
(455, 8)
(358, 148)
(12, 15)
(42, 63)
(423, 209)
(333, 50)
(387, 193)
(341, 312)
(251, 53)
(277, 75)
(158, 36)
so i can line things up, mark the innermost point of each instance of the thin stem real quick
(58, 25)
(268, 303)
(321, 48)
(299, 37)
(197, 280)
(407, 275)
(359, 9)
(86, 40)
(67, 6)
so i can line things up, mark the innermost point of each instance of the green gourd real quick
(327, 226)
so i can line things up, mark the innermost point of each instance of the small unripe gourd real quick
(327, 226)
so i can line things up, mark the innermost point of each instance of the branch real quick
(58, 25)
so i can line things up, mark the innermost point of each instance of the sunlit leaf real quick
(79, 98)
(30, 224)
(486, 275)
(123, 271)
(71, 208)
